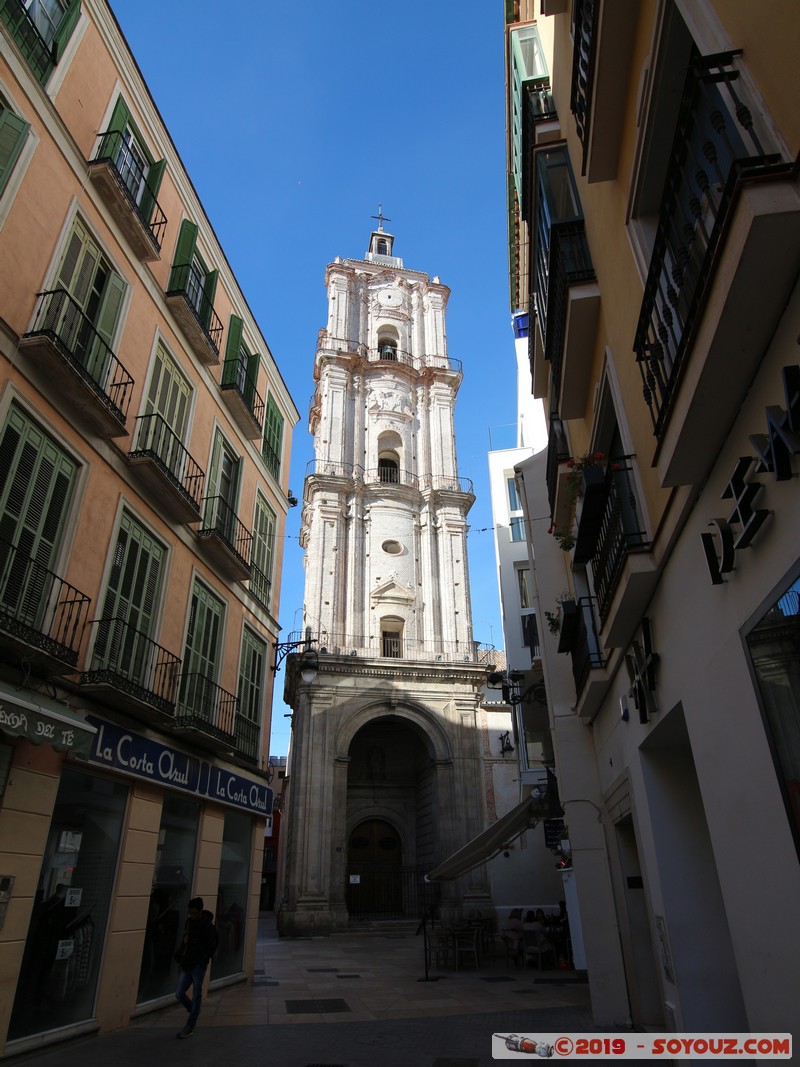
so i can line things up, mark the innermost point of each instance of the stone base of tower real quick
(311, 920)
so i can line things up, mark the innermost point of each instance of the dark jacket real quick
(199, 942)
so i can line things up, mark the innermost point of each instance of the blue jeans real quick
(193, 978)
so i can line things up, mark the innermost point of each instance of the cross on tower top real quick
(380, 217)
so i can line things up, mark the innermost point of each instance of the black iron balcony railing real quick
(621, 529)
(568, 263)
(38, 608)
(386, 353)
(389, 476)
(205, 706)
(580, 102)
(37, 52)
(445, 483)
(126, 659)
(586, 652)
(260, 584)
(557, 452)
(59, 318)
(368, 646)
(220, 520)
(114, 152)
(236, 377)
(155, 440)
(246, 732)
(326, 468)
(186, 281)
(717, 147)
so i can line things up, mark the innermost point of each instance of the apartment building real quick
(654, 217)
(145, 436)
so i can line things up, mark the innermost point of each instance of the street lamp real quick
(309, 661)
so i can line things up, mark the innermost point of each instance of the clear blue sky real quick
(294, 122)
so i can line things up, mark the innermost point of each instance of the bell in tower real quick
(380, 243)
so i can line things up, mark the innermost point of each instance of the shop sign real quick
(144, 757)
(774, 451)
(37, 723)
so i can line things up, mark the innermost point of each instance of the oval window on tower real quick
(394, 548)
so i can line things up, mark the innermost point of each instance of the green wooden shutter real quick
(273, 437)
(120, 117)
(79, 264)
(108, 312)
(233, 346)
(169, 393)
(251, 381)
(184, 250)
(65, 28)
(36, 483)
(202, 638)
(209, 292)
(150, 194)
(13, 133)
(262, 550)
(251, 676)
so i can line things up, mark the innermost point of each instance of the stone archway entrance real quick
(390, 809)
(374, 870)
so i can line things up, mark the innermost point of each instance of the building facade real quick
(145, 436)
(654, 221)
(385, 774)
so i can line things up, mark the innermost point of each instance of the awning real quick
(44, 721)
(492, 841)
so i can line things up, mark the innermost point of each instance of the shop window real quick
(774, 645)
(170, 894)
(64, 948)
(234, 878)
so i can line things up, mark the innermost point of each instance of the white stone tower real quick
(385, 773)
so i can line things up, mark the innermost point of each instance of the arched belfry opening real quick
(391, 828)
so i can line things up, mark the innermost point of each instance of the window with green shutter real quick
(41, 30)
(203, 635)
(273, 437)
(169, 393)
(191, 276)
(251, 676)
(37, 481)
(240, 368)
(134, 163)
(13, 134)
(263, 550)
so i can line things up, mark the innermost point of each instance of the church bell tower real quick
(385, 757)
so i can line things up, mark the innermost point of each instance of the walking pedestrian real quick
(199, 943)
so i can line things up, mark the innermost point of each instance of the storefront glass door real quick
(234, 880)
(64, 948)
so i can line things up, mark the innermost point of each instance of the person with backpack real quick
(200, 940)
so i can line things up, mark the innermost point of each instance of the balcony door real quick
(166, 411)
(223, 489)
(203, 636)
(132, 593)
(89, 303)
(37, 480)
(263, 537)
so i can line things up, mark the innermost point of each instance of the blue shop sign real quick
(144, 757)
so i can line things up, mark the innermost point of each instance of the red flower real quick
(598, 455)
(570, 462)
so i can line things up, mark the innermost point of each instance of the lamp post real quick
(309, 661)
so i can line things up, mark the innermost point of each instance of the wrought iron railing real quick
(186, 281)
(59, 318)
(220, 519)
(720, 142)
(580, 101)
(569, 264)
(260, 584)
(236, 377)
(557, 452)
(137, 190)
(386, 353)
(38, 607)
(389, 476)
(441, 483)
(155, 440)
(129, 660)
(621, 530)
(586, 652)
(367, 646)
(207, 707)
(37, 52)
(246, 732)
(446, 483)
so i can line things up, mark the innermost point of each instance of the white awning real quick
(44, 721)
(492, 841)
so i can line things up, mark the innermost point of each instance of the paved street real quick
(347, 1001)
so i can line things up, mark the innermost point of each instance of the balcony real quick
(390, 476)
(367, 646)
(193, 311)
(620, 536)
(604, 36)
(78, 363)
(207, 712)
(558, 452)
(173, 478)
(590, 510)
(260, 585)
(247, 734)
(243, 400)
(572, 303)
(37, 52)
(42, 617)
(725, 258)
(120, 180)
(132, 671)
(588, 661)
(225, 540)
